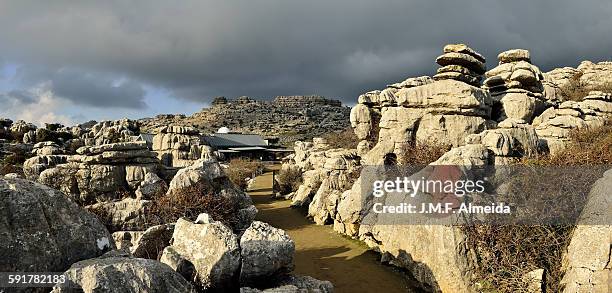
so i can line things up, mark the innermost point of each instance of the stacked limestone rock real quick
(107, 132)
(178, 146)
(365, 116)
(321, 166)
(98, 172)
(462, 63)
(47, 148)
(338, 174)
(516, 86)
(555, 124)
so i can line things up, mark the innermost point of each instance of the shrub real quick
(344, 139)
(507, 252)
(417, 154)
(591, 146)
(240, 169)
(189, 203)
(576, 90)
(289, 180)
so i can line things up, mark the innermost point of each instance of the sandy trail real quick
(324, 254)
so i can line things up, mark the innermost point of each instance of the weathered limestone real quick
(100, 173)
(123, 274)
(43, 231)
(266, 252)
(125, 214)
(516, 86)
(587, 259)
(33, 166)
(211, 248)
(47, 148)
(554, 125)
(295, 284)
(109, 132)
(461, 63)
(178, 146)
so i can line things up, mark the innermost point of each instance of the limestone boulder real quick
(211, 249)
(448, 129)
(43, 231)
(153, 241)
(587, 260)
(266, 252)
(151, 187)
(123, 274)
(125, 214)
(33, 166)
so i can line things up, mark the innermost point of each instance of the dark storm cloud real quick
(83, 87)
(201, 49)
(18, 96)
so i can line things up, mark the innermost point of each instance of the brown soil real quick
(324, 254)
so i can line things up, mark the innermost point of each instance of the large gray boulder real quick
(266, 252)
(210, 247)
(41, 230)
(587, 260)
(122, 274)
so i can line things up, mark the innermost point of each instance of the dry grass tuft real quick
(344, 139)
(189, 203)
(416, 154)
(289, 180)
(241, 169)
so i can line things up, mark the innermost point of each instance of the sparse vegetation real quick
(342, 139)
(507, 252)
(189, 203)
(418, 154)
(576, 89)
(289, 179)
(241, 169)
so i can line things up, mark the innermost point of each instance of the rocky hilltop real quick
(290, 118)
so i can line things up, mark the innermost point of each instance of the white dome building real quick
(223, 130)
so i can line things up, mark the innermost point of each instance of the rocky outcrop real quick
(460, 62)
(32, 167)
(587, 260)
(178, 146)
(122, 274)
(266, 252)
(516, 87)
(554, 126)
(100, 173)
(124, 214)
(108, 132)
(43, 231)
(145, 244)
(47, 148)
(211, 251)
(290, 118)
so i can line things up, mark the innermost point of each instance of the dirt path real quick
(324, 254)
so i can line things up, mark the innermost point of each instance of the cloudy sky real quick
(71, 61)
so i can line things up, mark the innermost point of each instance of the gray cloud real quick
(83, 87)
(201, 49)
(18, 96)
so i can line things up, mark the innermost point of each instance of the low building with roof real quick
(249, 146)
